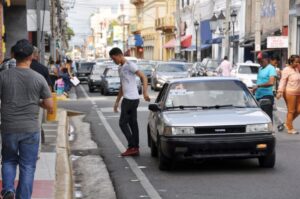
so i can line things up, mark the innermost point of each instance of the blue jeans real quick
(19, 149)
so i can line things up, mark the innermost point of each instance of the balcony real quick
(165, 24)
(137, 2)
(136, 27)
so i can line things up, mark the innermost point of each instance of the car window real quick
(162, 93)
(86, 66)
(171, 68)
(112, 72)
(246, 69)
(145, 67)
(209, 93)
(212, 64)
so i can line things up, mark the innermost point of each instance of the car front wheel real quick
(164, 163)
(267, 161)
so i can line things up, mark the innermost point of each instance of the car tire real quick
(152, 144)
(164, 164)
(267, 161)
(91, 89)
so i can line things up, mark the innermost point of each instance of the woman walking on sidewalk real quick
(289, 88)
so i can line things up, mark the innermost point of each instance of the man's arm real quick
(47, 104)
(145, 84)
(119, 96)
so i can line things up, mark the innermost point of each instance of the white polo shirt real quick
(128, 80)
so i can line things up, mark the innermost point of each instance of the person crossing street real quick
(129, 91)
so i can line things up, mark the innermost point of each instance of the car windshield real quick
(146, 67)
(209, 94)
(246, 69)
(112, 72)
(171, 68)
(212, 64)
(86, 66)
(98, 69)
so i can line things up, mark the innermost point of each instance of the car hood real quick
(220, 117)
(172, 75)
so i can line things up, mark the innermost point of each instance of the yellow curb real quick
(63, 178)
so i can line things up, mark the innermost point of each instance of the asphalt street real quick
(140, 177)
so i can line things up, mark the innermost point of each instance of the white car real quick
(247, 73)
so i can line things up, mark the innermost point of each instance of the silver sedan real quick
(209, 118)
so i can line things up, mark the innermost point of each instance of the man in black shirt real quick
(40, 68)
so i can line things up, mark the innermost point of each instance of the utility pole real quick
(40, 33)
(257, 26)
(123, 23)
(227, 27)
(178, 36)
(199, 41)
(53, 30)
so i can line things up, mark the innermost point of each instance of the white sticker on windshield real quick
(178, 92)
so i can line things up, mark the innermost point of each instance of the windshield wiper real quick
(223, 106)
(182, 107)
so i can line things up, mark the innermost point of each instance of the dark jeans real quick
(128, 122)
(268, 109)
(19, 149)
(67, 81)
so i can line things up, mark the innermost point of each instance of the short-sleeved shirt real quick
(41, 69)
(263, 76)
(20, 91)
(128, 80)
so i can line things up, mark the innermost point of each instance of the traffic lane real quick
(221, 171)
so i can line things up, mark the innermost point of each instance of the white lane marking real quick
(152, 193)
(110, 110)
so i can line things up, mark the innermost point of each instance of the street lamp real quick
(213, 22)
(221, 21)
(233, 16)
(196, 25)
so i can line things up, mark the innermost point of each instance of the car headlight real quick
(179, 131)
(252, 128)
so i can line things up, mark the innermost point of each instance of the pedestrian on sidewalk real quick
(9, 62)
(266, 78)
(22, 91)
(129, 91)
(40, 68)
(225, 68)
(289, 89)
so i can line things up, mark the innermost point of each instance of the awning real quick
(185, 42)
(138, 40)
(193, 47)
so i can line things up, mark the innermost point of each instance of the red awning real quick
(186, 42)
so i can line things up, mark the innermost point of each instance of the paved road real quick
(140, 178)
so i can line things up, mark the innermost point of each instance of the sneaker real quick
(293, 132)
(9, 195)
(131, 152)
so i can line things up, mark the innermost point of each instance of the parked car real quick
(84, 69)
(208, 67)
(165, 71)
(247, 72)
(132, 59)
(209, 117)
(94, 79)
(110, 81)
(147, 69)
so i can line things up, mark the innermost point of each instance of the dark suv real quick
(84, 69)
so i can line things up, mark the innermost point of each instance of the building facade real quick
(294, 27)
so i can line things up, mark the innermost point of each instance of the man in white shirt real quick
(129, 91)
(225, 68)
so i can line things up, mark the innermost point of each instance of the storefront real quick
(294, 27)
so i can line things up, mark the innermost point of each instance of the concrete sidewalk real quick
(44, 182)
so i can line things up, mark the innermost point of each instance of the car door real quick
(155, 117)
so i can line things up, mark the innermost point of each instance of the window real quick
(188, 2)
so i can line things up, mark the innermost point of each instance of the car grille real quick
(220, 129)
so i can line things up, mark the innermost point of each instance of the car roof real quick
(172, 62)
(202, 79)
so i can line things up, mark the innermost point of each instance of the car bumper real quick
(95, 83)
(247, 146)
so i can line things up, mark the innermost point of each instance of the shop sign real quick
(278, 42)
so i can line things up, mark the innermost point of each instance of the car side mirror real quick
(264, 103)
(154, 107)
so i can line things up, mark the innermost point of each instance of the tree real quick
(70, 32)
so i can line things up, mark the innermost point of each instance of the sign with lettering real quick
(278, 42)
